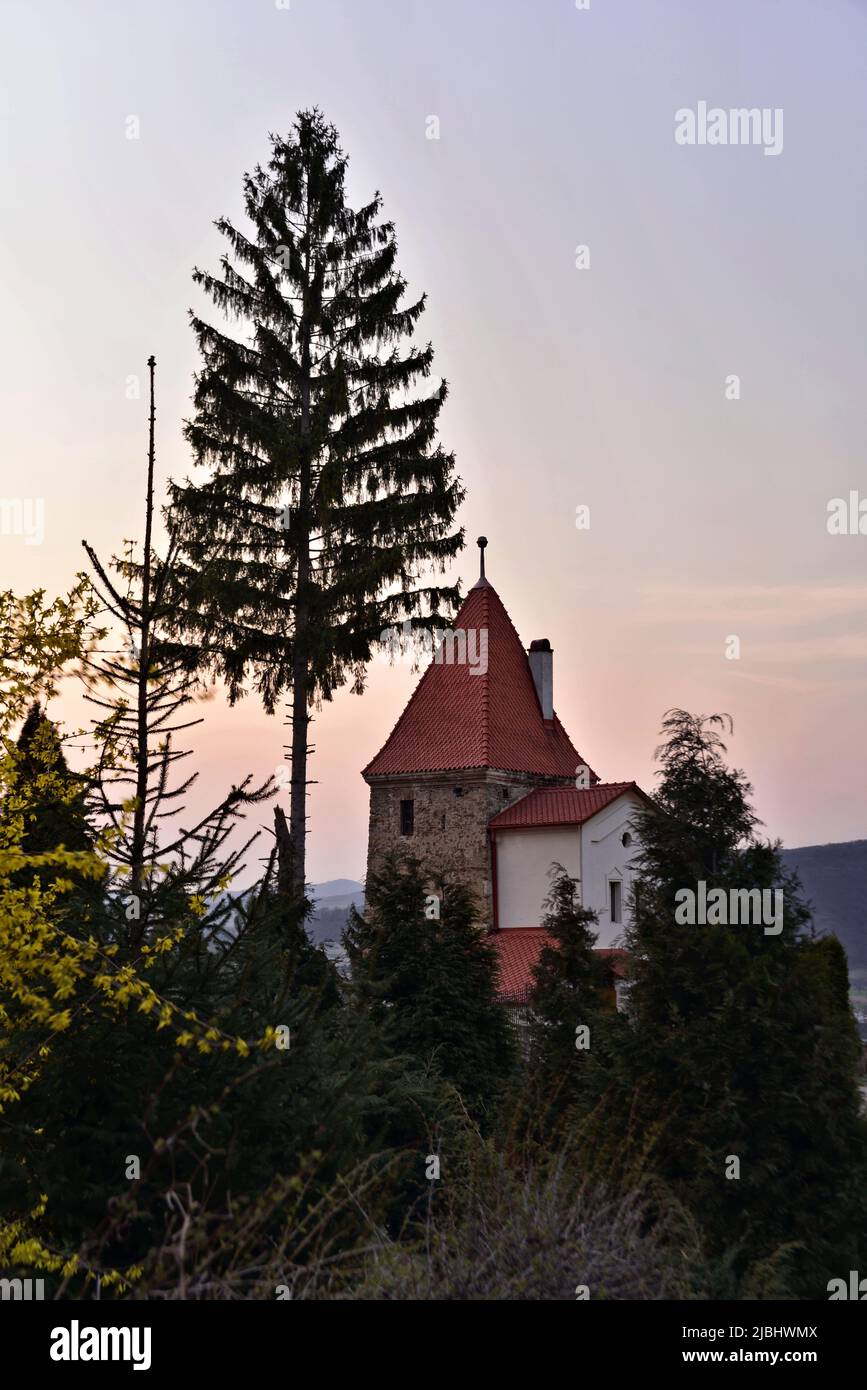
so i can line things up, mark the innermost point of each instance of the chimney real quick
(542, 665)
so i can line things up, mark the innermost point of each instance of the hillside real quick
(334, 889)
(332, 902)
(834, 878)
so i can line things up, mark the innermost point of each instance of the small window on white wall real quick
(615, 899)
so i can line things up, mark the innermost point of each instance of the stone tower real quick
(478, 733)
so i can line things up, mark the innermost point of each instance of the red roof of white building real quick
(518, 950)
(561, 805)
(457, 719)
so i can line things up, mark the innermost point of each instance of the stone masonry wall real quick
(450, 830)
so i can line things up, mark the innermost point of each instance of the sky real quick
(695, 377)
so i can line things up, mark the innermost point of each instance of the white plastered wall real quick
(524, 858)
(605, 857)
(593, 853)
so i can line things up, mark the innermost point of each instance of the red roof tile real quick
(561, 805)
(519, 948)
(456, 719)
(618, 957)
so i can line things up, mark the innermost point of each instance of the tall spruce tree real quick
(742, 1044)
(328, 495)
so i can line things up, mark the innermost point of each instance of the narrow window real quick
(614, 898)
(443, 822)
(406, 817)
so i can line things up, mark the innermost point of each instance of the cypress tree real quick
(573, 991)
(58, 816)
(327, 495)
(427, 977)
(55, 813)
(742, 1042)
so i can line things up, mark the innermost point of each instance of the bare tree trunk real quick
(137, 844)
(285, 854)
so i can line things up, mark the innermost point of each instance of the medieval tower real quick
(478, 734)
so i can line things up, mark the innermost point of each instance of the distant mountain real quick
(331, 904)
(834, 878)
(336, 888)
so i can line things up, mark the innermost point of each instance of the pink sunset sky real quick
(602, 386)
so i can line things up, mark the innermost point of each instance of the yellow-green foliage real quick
(47, 975)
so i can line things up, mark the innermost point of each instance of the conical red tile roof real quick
(457, 719)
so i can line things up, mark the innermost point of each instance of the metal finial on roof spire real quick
(482, 542)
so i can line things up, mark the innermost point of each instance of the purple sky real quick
(603, 387)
